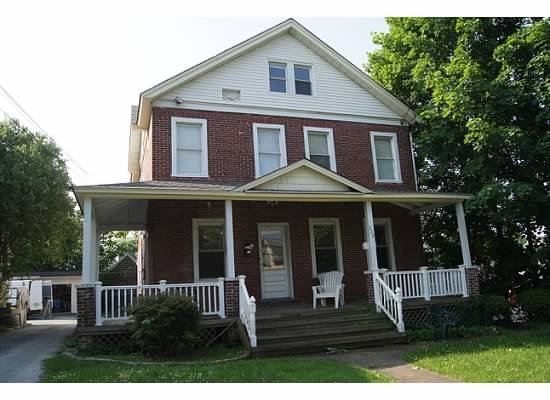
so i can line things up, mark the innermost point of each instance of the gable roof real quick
(307, 164)
(299, 32)
(126, 256)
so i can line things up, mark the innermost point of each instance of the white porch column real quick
(90, 245)
(369, 236)
(464, 245)
(229, 246)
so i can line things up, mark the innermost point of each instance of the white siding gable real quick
(304, 179)
(333, 92)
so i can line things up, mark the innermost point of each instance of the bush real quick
(485, 310)
(165, 325)
(537, 303)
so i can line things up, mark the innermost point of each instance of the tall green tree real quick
(481, 88)
(38, 222)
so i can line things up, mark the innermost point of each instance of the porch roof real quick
(123, 206)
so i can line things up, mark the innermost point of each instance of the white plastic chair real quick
(330, 285)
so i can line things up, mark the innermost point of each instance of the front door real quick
(275, 261)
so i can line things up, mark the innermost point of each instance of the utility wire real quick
(31, 119)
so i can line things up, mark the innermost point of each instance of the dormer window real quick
(302, 79)
(277, 77)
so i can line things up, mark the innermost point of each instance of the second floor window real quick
(189, 147)
(277, 77)
(269, 148)
(385, 157)
(319, 146)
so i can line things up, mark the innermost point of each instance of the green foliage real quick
(39, 223)
(288, 370)
(113, 245)
(165, 325)
(485, 310)
(536, 302)
(481, 87)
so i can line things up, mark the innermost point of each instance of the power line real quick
(31, 119)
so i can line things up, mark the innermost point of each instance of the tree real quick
(113, 245)
(481, 87)
(38, 222)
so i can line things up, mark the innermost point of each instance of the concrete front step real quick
(328, 343)
(324, 320)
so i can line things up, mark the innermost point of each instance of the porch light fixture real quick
(178, 100)
(365, 245)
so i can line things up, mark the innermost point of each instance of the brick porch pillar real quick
(85, 303)
(472, 280)
(231, 291)
(370, 286)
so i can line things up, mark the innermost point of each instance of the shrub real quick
(536, 302)
(165, 325)
(485, 310)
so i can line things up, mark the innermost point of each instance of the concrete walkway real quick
(22, 350)
(388, 361)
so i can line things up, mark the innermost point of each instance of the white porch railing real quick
(112, 302)
(247, 311)
(388, 301)
(427, 283)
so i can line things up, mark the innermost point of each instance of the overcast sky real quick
(77, 68)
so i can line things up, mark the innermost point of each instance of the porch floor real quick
(294, 309)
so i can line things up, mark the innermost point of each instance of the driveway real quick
(23, 349)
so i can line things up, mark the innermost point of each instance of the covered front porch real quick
(202, 239)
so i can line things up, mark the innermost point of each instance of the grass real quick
(64, 369)
(518, 355)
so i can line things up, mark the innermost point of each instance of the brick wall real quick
(85, 297)
(231, 291)
(472, 280)
(171, 245)
(231, 154)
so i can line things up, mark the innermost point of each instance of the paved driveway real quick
(23, 349)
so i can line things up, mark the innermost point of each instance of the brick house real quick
(277, 160)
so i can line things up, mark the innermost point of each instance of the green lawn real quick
(515, 356)
(65, 369)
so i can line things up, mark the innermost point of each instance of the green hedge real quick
(165, 325)
(536, 302)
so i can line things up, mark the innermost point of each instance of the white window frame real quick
(310, 67)
(282, 145)
(389, 238)
(290, 78)
(204, 146)
(337, 237)
(395, 151)
(286, 77)
(197, 222)
(330, 142)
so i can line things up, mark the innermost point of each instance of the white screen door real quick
(275, 261)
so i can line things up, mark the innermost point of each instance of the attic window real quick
(277, 77)
(231, 94)
(302, 79)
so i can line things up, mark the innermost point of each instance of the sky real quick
(77, 67)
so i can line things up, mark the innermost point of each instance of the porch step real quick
(314, 331)
(330, 343)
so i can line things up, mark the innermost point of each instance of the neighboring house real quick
(276, 159)
(122, 272)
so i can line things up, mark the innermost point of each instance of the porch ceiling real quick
(120, 214)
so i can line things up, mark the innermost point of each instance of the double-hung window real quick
(302, 79)
(326, 248)
(277, 77)
(384, 243)
(385, 157)
(269, 148)
(319, 146)
(208, 248)
(189, 147)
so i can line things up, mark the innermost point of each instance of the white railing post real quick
(463, 280)
(400, 323)
(162, 285)
(425, 283)
(252, 322)
(221, 297)
(376, 290)
(98, 318)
